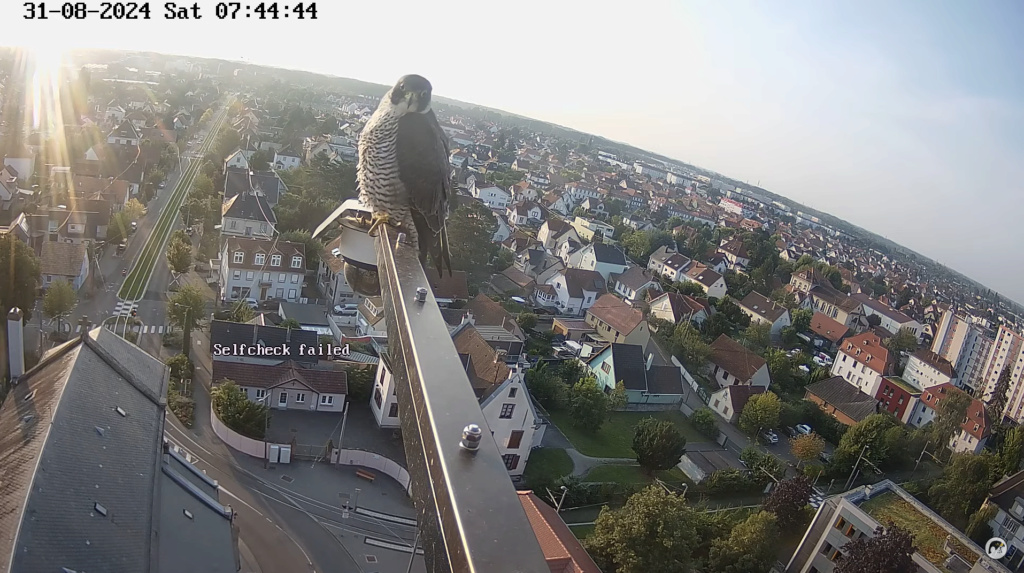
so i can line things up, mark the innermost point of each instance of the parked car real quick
(770, 436)
(825, 457)
(791, 431)
(253, 303)
(804, 429)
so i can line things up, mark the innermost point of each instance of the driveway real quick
(317, 428)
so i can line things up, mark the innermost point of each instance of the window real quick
(282, 400)
(393, 413)
(606, 368)
(260, 394)
(249, 275)
(279, 293)
(237, 275)
(261, 258)
(377, 398)
(326, 400)
(263, 227)
(281, 277)
(840, 523)
(515, 439)
(300, 397)
(239, 257)
(506, 411)
(511, 461)
(513, 391)
(296, 262)
(275, 260)
(291, 293)
(233, 224)
(295, 279)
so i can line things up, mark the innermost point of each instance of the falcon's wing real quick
(423, 166)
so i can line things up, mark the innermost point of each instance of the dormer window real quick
(260, 258)
(239, 257)
(296, 262)
(275, 260)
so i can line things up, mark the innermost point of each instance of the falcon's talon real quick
(377, 221)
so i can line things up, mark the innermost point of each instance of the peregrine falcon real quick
(403, 172)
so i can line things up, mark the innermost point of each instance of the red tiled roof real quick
(977, 423)
(562, 551)
(828, 328)
(867, 349)
(617, 314)
(734, 358)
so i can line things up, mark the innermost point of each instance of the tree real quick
(891, 550)
(758, 336)
(239, 413)
(185, 309)
(807, 447)
(784, 298)
(688, 288)
(119, 228)
(133, 209)
(291, 323)
(241, 312)
(618, 399)
(788, 500)
(588, 405)
(761, 413)
(654, 531)
(904, 341)
(881, 434)
(978, 528)
(260, 161)
(180, 366)
(1011, 451)
(546, 387)
(526, 320)
(750, 547)
(950, 415)
(179, 255)
(19, 279)
(658, 444)
(360, 383)
(999, 396)
(689, 346)
(705, 422)
(470, 230)
(59, 300)
(962, 487)
(780, 367)
(802, 319)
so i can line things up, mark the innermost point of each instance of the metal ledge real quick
(470, 516)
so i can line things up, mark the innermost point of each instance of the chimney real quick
(16, 343)
(468, 317)
(650, 360)
(85, 323)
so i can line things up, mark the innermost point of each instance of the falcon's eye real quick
(423, 95)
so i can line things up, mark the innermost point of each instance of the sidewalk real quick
(249, 564)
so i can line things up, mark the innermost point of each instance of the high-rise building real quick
(966, 346)
(1007, 352)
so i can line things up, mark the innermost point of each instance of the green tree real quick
(999, 396)
(470, 229)
(761, 413)
(618, 399)
(750, 547)
(658, 445)
(654, 531)
(133, 209)
(890, 550)
(787, 501)
(758, 336)
(802, 319)
(588, 405)
(952, 412)
(20, 277)
(237, 412)
(903, 341)
(705, 422)
(526, 320)
(978, 528)
(688, 288)
(807, 447)
(260, 161)
(227, 142)
(241, 312)
(963, 486)
(291, 323)
(689, 346)
(179, 255)
(58, 302)
(181, 367)
(546, 387)
(881, 434)
(780, 367)
(784, 298)
(360, 383)
(185, 309)
(1011, 451)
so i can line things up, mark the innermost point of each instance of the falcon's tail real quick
(434, 244)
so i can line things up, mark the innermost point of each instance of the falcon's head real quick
(410, 95)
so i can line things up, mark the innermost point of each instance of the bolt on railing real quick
(470, 517)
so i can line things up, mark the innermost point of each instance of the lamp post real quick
(266, 428)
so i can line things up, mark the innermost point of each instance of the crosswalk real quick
(144, 329)
(817, 498)
(124, 308)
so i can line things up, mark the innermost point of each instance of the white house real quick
(331, 276)
(735, 254)
(261, 269)
(284, 160)
(288, 385)
(492, 196)
(502, 232)
(64, 262)
(764, 311)
(501, 390)
(247, 215)
(668, 263)
(125, 134)
(370, 320)
(587, 228)
(239, 159)
(525, 213)
(926, 369)
(711, 282)
(635, 283)
(732, 364)
(729, 401)
(863, 362)
(576, 290)
(677, 308)
(891, 319)
(975, 429)
(605, 259)
(556, 232)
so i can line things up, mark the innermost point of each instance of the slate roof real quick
(629, 366)
(321, 381)
(845, 397)
(635, 278)
(702, 274)
(609, 254)
(65, 447)
(61, 259)
(306, 314)
(251, 246)
(239, 180)
(1007, 490)
(487, 312)
(579, 280)
(249, 207)
(126, 131)
(734, 358)
(224, 333)
(835, 297)
(882, 308)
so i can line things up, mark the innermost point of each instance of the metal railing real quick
(470, 516)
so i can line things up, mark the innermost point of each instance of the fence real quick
(379, 463)
(236, 441)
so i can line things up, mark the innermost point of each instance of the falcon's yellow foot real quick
(378, 220)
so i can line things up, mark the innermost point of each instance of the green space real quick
(929, 537)
(547, 465)
(581, 531)
(138, 278)
(615, 438)
(633, 474)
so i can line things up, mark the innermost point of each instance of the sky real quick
(905, 118)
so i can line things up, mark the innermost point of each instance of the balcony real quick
(470, 517)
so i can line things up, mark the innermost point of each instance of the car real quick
(161, 185)
(804, 429)
(825, 457)
(252, 303)
(791, 431)
(805, 369)
(135, 225)
(770, 436)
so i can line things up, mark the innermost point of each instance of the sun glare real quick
(44, 67)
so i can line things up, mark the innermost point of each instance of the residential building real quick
(711, 282)
(331, 276)
(575, 290)
(116, 192)
(828, 333)
(1007, 497)
(668, 263)
(841, 400)
(699, 466)
(525, 213)
(803, 281)
(227, 337)
(926, 369)
(891, 319)
(261, 269)
(898, 398)
(975, 429)
(248, 215)
(677, 308)
(448, 288)
(90, 482)
(285, 159)
(370, 320)
(836, 305)
(504, 398)
(617, 322)
(555, 232)
(288, 385)
(1007, 353)
(729, 401)
(491, 195)
(264, 183)
(125, 134)
(644, 381)
(862, 511)
(966, 345)
(635, 283)
(64, 262)
(732, 364)
(736, 255)
(562, 551)
(606, 260)
(764, 311)
(588, 228)
(239, 159)
(863, 362)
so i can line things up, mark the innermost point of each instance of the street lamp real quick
(266, 428)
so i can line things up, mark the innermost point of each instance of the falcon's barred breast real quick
(403, 172)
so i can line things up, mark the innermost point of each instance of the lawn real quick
(615, 438)
(929, 537)
(633, 474)
(581, 531)
(547, 465)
